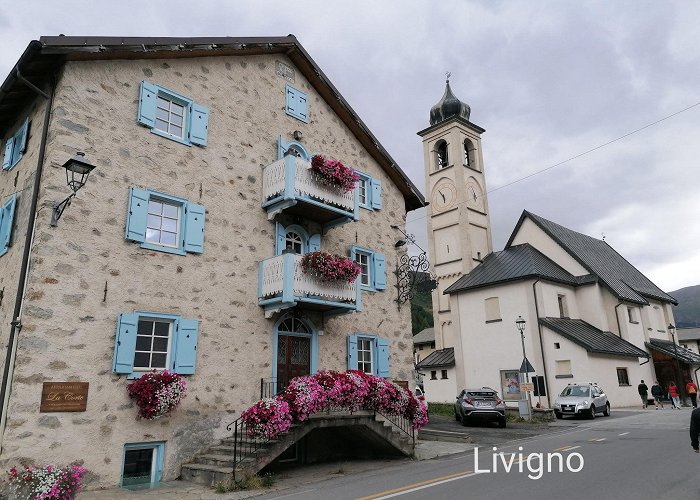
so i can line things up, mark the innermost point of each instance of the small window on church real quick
(563, 309)
(441, 159)
(469, 158)
(493, 309)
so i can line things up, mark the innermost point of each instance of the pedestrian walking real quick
(695, 429)
(673, 393)
(643, 393)
(692, 391)
(658, 393)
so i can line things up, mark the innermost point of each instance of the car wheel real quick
(502, 423)
(591, 412)
(457, 417)
(606, 412)
(558, 415)
(465, 422)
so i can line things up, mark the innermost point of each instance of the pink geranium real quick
(46, 483)
(333, 173)
(329, 267)
(157, 393)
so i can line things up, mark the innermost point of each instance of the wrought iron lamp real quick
(77, 171)
(412, 271)
(525, 367)
(679, 381)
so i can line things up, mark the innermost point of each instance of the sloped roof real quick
(688, 333)
(679, 352)
(591, 338)
(424, 336)
(43, 58)
(514, 263)
(599, 258)
(441, 357)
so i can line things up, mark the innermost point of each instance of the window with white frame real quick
(294, 242)
(170, 116)
(563, 309)
(372, 268)
(16, 146)
(153, 338)
(165, 223)
(148, 341)
(369, 192)
(362, 188)
(162, 227)
(364, 355)
(363, 260)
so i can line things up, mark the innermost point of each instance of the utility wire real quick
(578, 155)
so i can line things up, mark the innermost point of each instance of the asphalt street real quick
(630, 455)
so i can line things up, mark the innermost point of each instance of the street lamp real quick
(77, 171)
(520, 323)
(679, 381)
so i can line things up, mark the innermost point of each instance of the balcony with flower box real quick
(292, 186)
(283, 283)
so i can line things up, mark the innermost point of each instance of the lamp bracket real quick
(59, 208)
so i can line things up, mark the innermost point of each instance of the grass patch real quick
(445, 409)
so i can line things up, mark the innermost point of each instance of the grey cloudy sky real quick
(548, 80)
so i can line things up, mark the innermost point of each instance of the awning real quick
(674, 350)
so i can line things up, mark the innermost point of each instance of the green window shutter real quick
(147, 104)
(382, 354)
(199, 124)
(379, 268)
(7, 159)
(376, 185)
(194, 228)
(186, 346)
(352, 352)
(125, 344)
(314, 242)
(6, 220)
(137, 215)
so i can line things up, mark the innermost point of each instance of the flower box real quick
(45, 483)
(157, 393)
(334, 173)
(329, 267)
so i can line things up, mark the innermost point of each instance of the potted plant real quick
(330, 267)
(44, 483)
(333, 173)
(157, 393)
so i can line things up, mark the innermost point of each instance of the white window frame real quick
(364, 186)
(169, 353)
(359, 254)
(178, 230)
(361, 341)
(172, 99)
(290, 240)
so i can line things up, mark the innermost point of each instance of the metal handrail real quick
(401, 423)
(244, 444)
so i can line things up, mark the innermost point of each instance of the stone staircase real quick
(229, 460)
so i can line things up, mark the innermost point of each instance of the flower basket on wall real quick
(333, 173)
(329, 267)
(44, 483)
(157, 393)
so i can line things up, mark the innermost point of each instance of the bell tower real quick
(459, 231)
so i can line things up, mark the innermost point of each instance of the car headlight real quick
(583, 404)
(557, 404)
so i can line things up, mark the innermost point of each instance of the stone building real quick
(188, 233)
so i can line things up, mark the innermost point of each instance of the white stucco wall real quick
(530, 233)
(440, 390)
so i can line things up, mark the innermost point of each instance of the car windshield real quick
(576, 390)
(481, 394)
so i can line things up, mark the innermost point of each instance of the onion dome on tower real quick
(448, 107)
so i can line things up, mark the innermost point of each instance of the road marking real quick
(567, 448)
(594, 440)
(410, 488)
(623, 434)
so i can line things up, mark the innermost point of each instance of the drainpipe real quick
(16, 324)
(696, 375)
(617, 317)
(539, 329)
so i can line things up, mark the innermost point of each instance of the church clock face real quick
(444, 196)
(475, 197)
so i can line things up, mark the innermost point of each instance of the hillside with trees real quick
(687, 312)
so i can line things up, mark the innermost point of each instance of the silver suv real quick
(582, 399)
(481, 404)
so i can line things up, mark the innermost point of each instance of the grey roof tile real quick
(680, 353)
(442, 357)
(591, 338)
(424, 336)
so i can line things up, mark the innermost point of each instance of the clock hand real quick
(443, 196)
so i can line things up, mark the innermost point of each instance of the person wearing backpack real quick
(658, 393)
(692, 390)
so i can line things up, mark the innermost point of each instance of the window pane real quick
(145, 328)
(162, 329)
(177, 109)
(142, 359)
(169, 225)
(152, 236)
(177, 120)
(160, 344)
(163, 103)
(161, 125)
(175, 130)
(155, 207)
(162, 114)
(143, 343)
(168, 239)
(170, 211)
(158, 360)
(153, 222)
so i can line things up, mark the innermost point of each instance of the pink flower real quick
(334, 173)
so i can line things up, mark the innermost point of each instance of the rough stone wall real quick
(84, 273)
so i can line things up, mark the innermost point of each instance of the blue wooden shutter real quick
(6, 219)
(186, 346)
(376, 185)
(147, 104)
(280, 238)
(194, 228)
(352, 352)
(137, 215)
(302, 107)
(20, 142)
(382, 356)
(125, 344)
(379, 268)
(314, 242)
(7, 159)
(199, 124)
